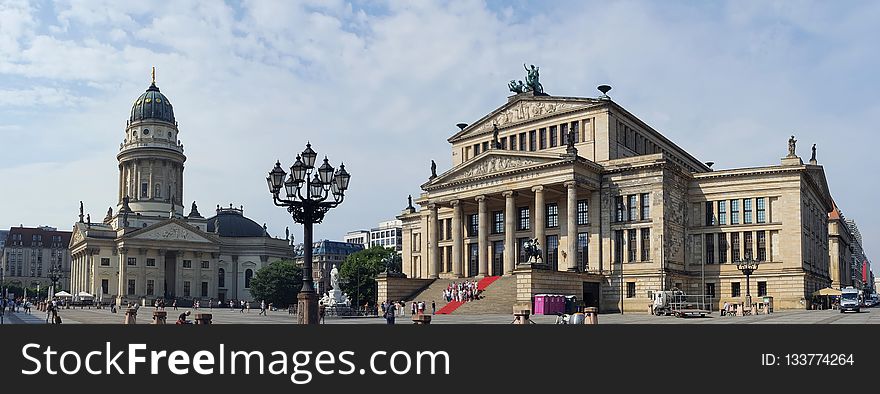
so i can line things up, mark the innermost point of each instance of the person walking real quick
(241, 306)
(433, 308)
(263, 308)
(389, 313)
(413, 308)
(174, 304)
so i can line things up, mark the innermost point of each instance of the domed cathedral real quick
(147, 247)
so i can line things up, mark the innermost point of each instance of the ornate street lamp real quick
(54, 276)
(310, 193)
(748, 266)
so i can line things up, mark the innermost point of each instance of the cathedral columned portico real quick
(148, 248)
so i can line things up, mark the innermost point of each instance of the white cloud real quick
(251, 82)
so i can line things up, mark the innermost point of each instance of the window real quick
(633, 206)
(761, 215)
(532, 140)
(646, 244)
(186, 288)
(105, 261)
(448, 229)
(131, 284)
(248, 274)
(221, 278)
(762, 246)
(747, 211)
(132, 261)
(618, 208)
(734, 247)
(582, 249)
(710, 213)
(563, 134)
(552, 215)
(553, 251)
(710, 248)
(710, 290)
(630, 289)
(206, 265)
(523, 219)
(485, 146)
(631, 243)
(762, 289)
(522, 141)
(204, 289)
(144, 188)
(543, 138)
(503, 143)
(747, 239)
(497, 222)
(734, 211)
(582, 212)
(734, 289)
(150, 285)
(646, 204)
(476, 149)
(513, 142)
(554, 138)
(151, 262)
(618, 246)
(473, 259)
(574, 128)
(105, 286)
(722, 212)
(187, 263)
(473, 225)
(722, 247)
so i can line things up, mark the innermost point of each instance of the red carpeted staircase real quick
(453, 305)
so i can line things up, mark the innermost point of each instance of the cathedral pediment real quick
(817, 175)
(523, 110)
(494, 162)
(172, 230)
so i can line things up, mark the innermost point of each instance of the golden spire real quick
(154, 75)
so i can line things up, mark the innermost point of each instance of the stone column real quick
(73, 274)
(457, 240)
(509, 232)
(121, 183)
(483, 236)
(539, 220)
(434, 250)
(120, 290)
(571, 260)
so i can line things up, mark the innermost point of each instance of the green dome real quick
(152, 105)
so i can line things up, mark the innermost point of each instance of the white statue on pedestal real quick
(335, 296)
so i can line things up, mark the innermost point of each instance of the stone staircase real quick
(498, 298)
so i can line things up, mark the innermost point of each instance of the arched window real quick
(158, 191)
(221, 280)
(247, 278)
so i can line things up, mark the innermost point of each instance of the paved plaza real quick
(233, 316)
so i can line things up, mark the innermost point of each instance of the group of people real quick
(15, 305)
(461, 291)
(390, 310)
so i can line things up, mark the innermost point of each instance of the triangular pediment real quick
(172, 230)
(523, 109)
(817, 174)
(493, 162)
(77, 236)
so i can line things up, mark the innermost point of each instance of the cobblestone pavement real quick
(232, 316)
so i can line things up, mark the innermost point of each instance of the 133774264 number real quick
(806, 359)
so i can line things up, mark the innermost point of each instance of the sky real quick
(380, 85)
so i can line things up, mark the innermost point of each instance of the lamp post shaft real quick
(307, 300)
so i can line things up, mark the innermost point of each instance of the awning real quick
(827, 292)
(84, 294)
(63, 294)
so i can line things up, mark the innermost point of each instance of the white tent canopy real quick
(84, 294)
(63, 294)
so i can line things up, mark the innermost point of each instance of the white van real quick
(849, 299)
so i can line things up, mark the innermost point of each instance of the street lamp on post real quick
(748, 266)
(54, 276)
(310, 193)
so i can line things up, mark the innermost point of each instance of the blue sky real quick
(252, 81)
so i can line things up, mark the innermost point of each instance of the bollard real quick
(159, 317)
(592, 315)
(203, 318)
(130, 316)
(421, 319)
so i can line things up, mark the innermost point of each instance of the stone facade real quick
(623, 207)
(147, 248)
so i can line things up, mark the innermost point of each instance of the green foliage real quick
(278, 283)
(18, 290)
(357, 276)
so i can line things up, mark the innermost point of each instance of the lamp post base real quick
(307, 308)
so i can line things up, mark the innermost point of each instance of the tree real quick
(358, 273)
(278, 283)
